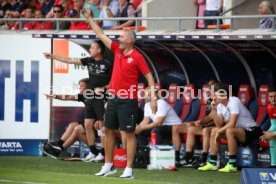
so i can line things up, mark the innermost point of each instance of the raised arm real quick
(99, 32)
(63, 59)
(62, 97)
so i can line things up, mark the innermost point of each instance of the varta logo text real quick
(10, 145)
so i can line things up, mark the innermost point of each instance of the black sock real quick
(213, 160)
(60, 143)
(188, 156)
(177, 155)
(204, 156)
(93, 149)
(102, 151)
(233, 160)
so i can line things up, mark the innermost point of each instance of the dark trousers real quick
(162, 133)
(208, 13)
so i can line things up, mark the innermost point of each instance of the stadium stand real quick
(172, 94)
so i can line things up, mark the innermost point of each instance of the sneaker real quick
(229, 168)
(105, 171)
(127, 175)
(208, 167)
(53, 143)
(199, 163)
(51, 151)
(98, 158)
(184, 163)
(89, 157)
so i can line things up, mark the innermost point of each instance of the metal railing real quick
(139, 19)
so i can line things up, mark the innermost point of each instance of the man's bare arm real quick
(99, 32)
(63, 59)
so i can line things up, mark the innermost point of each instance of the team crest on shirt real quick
(129, 60)
(102, 67)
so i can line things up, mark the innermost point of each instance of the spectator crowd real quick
(39, 9)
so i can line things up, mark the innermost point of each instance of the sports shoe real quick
(105, 171)
(128, 174)
(98, 158)
(53, 143)
(89, 157)
(208, 167)
(199, 163)
(228, 168)
(51, 151)
(55, 146)
(184, 163)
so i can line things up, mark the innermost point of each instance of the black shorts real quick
(121, 113)
(94, 109)
(252, 134)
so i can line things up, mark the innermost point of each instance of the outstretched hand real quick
(86, 13)
(50, 96)
(48, 55)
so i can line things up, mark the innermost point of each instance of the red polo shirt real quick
(271, 111)
(126, 72)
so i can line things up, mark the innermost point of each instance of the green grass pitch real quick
(44, 170)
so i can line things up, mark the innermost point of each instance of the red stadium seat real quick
(140, 28)
(264, 145)
(157, 86)
(172, 94)
(262, 102)
(223, 141)
(187, 98)
(245, 94)
(136, 3)
(222, 26)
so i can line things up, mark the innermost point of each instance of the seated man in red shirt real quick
(29, 13)
(40, 25)
(77, 25)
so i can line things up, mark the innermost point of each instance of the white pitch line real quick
(24, 182)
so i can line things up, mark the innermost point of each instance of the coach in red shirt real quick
(122, 108)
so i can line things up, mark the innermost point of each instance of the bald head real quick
(267, 8)
(131, 35)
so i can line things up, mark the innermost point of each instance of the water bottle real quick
(153, 139)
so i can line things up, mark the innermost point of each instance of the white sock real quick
(128, 171)
(108, 165)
